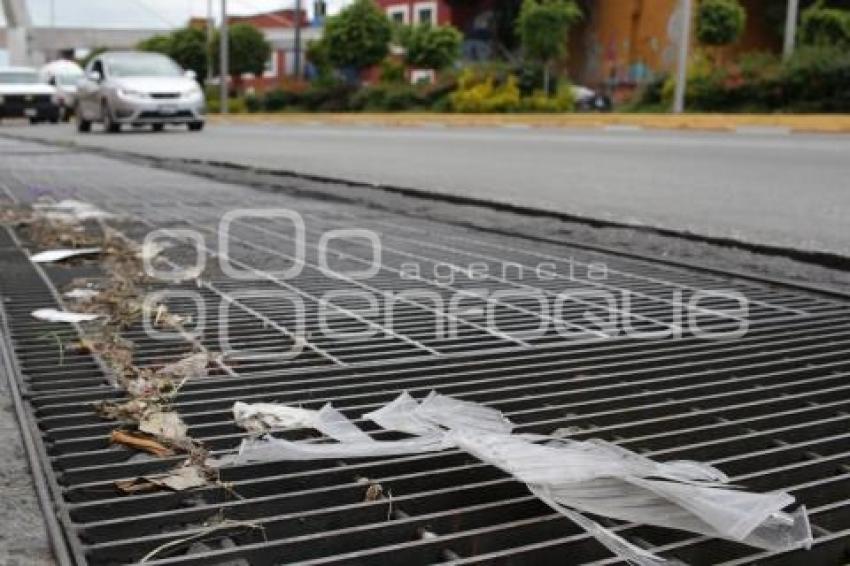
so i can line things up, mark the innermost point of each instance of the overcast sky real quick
(145, 13)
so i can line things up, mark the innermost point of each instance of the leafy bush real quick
(531, 79)
(720, 22)
(825, 26)
(430, 47)
(326, 97)
(278, 99)
(540, 101)
(815, 79)
(253, 103)
(651, 94)
(387, 97)
(392, 72)
(234, 105)
(480, 92)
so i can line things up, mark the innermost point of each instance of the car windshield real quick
(18, 78)
(143, 66)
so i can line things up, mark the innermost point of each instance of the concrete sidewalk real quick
(804, 123)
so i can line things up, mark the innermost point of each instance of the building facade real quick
(279, 30)
(619, 43)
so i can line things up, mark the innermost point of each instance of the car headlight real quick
(193, 92)
(130, 93)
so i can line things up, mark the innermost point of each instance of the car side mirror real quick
(190, 74)
(94, 76)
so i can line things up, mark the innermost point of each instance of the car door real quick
(89, 91)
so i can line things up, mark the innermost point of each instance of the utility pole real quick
(297, 50)
(210, 33)
(223, 55)
(682, 65)
(790, 29)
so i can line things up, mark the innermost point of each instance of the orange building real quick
(622, 43)
(619, 44)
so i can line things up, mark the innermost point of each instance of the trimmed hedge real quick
(815, 79)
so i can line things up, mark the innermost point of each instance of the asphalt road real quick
(789, 190)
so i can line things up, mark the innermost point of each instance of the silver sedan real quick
(138, 88)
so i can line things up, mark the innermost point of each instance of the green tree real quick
(187, 46)
(358, 36)
(824, 26)
(317, 54)
(189, 49)
(156, 43)
(543, 27)
(248, 50)
(431, 47)
(720, 22)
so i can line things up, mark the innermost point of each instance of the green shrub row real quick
(341, 97)
(475, 90)
(815, 79)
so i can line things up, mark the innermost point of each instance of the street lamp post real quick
(224, 70)
(210, 32)
(790, 28)
(297, 51)
(682, 64)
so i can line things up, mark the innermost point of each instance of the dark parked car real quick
(24, 95)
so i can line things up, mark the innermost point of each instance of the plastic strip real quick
(572, 477)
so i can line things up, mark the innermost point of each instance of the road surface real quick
(788, 190)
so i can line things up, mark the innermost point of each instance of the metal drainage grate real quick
(771, 409)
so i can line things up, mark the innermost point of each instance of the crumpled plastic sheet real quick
(572, 477)
(51, 256)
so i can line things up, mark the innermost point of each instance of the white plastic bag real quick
(572, 477)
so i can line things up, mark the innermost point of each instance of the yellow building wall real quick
(628, 41)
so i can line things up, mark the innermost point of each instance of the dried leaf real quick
(179, 479)
(184, 477)
(189, 367)
(131, 410)
(136, 485)
(374, 492)
(140, 442)
(166, 425)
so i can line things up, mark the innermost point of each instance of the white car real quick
(137, 88)
(63, 76)
(23, 95)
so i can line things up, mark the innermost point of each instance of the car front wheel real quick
(83, 125)
(109, 123)
(196, 126)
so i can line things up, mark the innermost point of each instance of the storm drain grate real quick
(770, 408)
